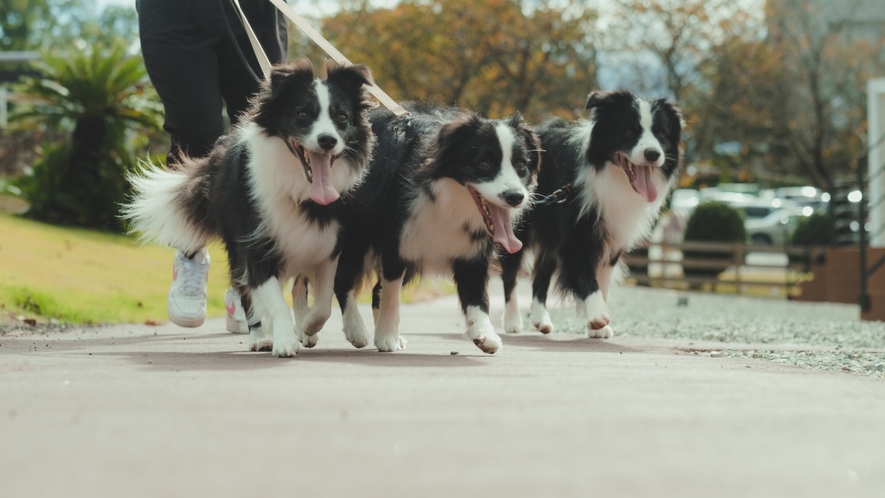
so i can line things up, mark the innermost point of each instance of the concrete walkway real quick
(163, 411)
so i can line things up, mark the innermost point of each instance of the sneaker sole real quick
(188, 323)
(235, 326)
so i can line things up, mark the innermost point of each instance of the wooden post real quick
(738, 264)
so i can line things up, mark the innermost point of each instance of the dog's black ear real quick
(454, 133)
(674, 113)
(282, 76)
(597, 98)
(353, 79)
(530, 138)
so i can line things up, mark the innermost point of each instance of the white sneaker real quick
(186, 305)
(236, 317)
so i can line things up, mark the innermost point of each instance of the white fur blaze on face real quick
(387, 338)
(324, 124)
(643, 164)
(481, 330)
(319, 151)
(512, 319)
(269, 304)
(541, 318)
(595, 311)
(354, 327)
(493, 192)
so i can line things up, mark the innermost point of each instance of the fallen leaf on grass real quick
(152, 323)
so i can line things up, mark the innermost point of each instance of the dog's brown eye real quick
(661, 135)
(520, 166)
(484, 165)
(628, 133)
(342, 118)
(302, 115)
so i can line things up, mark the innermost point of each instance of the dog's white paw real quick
(354, 328)
(543, 324)
(598, 322)
(489, 343)
(307, 341)
(595, 311)
(259, 341)
(512, 322)
(285, 348)
(315, 320)
(264, 344)
(604, 333)
(388, 343)
(480, 329)
(357, 335)
(541, 318)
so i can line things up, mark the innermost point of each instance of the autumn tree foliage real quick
(495, 56)
(795, 98)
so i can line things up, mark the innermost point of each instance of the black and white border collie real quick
(268, 191)
(619, 167)
(443, 188)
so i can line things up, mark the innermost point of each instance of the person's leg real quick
(237, 85)
(182, 65)
(236, 82)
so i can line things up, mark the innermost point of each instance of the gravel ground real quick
(830, 329)
(17, 324)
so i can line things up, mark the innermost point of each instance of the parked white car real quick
(777, 227)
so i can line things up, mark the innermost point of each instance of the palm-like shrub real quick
(100, 96)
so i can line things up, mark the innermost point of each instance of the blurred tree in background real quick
(776, 94)
(495, 56)
(99, 96)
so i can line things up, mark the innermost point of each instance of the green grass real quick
(82, 276)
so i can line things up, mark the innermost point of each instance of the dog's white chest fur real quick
(278, 184)
(439, 229)
(627, 216)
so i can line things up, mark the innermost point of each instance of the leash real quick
(558, 197)
(317, 38)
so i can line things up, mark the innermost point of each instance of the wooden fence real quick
(740, 268)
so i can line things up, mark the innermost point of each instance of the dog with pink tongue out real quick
(271, 192)
(608, 178)
(443, 192)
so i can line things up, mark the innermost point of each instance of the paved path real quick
(162, 411)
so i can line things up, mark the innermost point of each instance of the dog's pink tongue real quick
(644, 184)
(321, 190)
(504, 229)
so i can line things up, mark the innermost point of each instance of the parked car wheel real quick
(761, 239)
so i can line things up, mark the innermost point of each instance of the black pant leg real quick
(180, 58)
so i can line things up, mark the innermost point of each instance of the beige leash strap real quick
(263, 61)
(324, 44)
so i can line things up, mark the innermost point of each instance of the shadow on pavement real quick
(242, 360)
(557, 342)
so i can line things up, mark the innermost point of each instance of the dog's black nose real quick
(652, 155)
(327, 142)
(513, 197)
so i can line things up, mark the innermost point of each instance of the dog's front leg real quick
(267, 299)
(510, 264)
(591, 303)
(299, 298)
(323, 289)
(387, 338)
(472, 279)
(258, 339)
